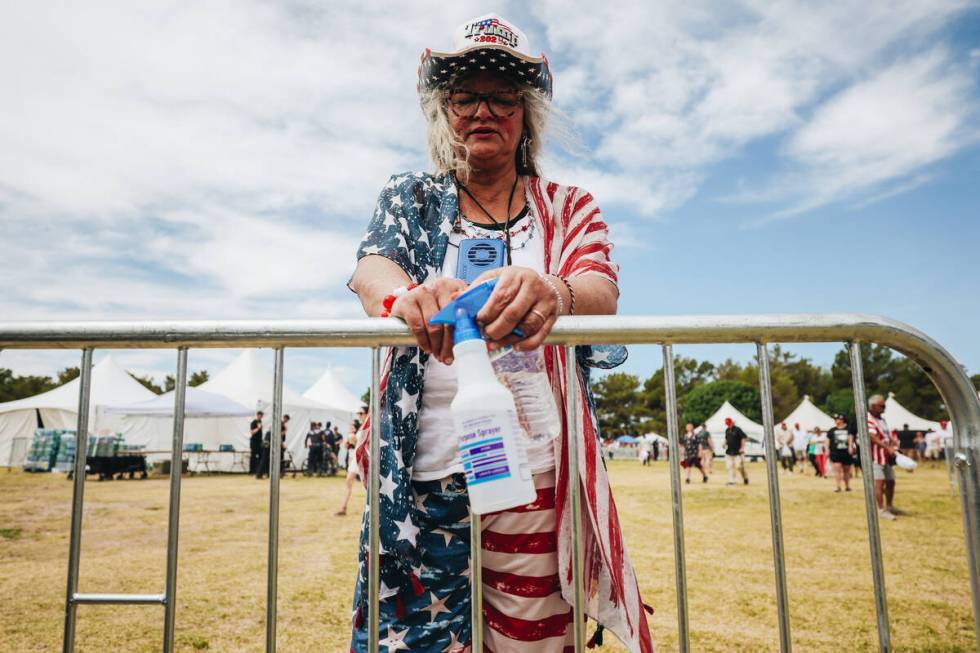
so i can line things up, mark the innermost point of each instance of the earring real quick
(525, 145)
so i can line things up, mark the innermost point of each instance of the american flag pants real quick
(523, 609)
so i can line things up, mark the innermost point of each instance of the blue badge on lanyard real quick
(477, 255)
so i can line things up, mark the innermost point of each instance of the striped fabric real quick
(578, 244)
(878, 426)
(522, 603)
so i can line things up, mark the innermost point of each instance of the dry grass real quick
(221, 590)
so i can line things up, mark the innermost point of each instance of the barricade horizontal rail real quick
(120, 599)
(949, 377)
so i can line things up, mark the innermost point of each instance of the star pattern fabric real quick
(437, 619)
(439, 69)
(422, 552)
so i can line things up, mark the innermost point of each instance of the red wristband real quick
(389, 300)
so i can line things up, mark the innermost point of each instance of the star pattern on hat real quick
(440, 71)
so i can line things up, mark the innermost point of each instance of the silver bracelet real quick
(554, 289)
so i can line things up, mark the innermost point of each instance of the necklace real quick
(518, 235)
(510, 199)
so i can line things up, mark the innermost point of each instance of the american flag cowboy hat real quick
(491, 44)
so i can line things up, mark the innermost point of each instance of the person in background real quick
(332, 447)
(920, 447)
(353, 473)
(645, 451)
(800, 441)
(933, 442)
(314, 445)
(784, 442)
(841, 442)
(811, 453)
(735, 452)
(692, 452)
(883, 448)
(707, 451)
(265, 460)
(945, 439)
(906, 441)
(255, 443)
(820, 441)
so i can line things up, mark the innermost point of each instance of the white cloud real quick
(883, 129)
(668, 90)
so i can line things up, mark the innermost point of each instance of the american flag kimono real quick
(427, 609)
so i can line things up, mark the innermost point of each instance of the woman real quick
(693, 453)
(485, 104)
(349, 463)
(820, 451)
(841, 449)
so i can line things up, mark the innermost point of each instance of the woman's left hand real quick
(521, 300)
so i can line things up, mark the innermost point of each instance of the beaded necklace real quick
(519, 232)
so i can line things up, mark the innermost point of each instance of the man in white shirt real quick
(799, 446)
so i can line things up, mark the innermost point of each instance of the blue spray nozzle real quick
(461, 312)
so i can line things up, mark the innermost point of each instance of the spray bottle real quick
(497, 474)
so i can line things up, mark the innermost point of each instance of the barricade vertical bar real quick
(77, 499)
(775, 507)
(870, 506)
(476, 582)
(673, 446)
(947, 446)
(374, 504)
(275, 460)
(173, 525)
(574, 487)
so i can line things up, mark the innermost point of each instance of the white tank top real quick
(436, 452)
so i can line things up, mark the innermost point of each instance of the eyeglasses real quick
(502, 104)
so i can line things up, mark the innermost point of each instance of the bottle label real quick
(481, 445)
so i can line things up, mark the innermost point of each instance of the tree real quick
(68, 374)
(18, 387)
(651, 405)
(876, 361)
(148, 383)
(915, 390)
(616, 403)
(651, 399)
(704, 400)
(197, 378)
(807, 377)
(841, 401)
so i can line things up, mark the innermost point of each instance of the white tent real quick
(329, 391)
(808, 416)
(716, 427)
(210, 420)
(248, 381)
(197, 403)
(898, 415)
(58, 408)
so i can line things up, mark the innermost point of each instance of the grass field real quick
(221, 588)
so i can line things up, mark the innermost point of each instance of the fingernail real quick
(449, 361)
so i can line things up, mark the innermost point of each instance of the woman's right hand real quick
(419, 305)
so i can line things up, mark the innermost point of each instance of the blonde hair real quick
(449, 153)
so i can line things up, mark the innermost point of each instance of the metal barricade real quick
(957, 392)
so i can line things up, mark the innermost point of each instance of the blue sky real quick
(183, 160)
